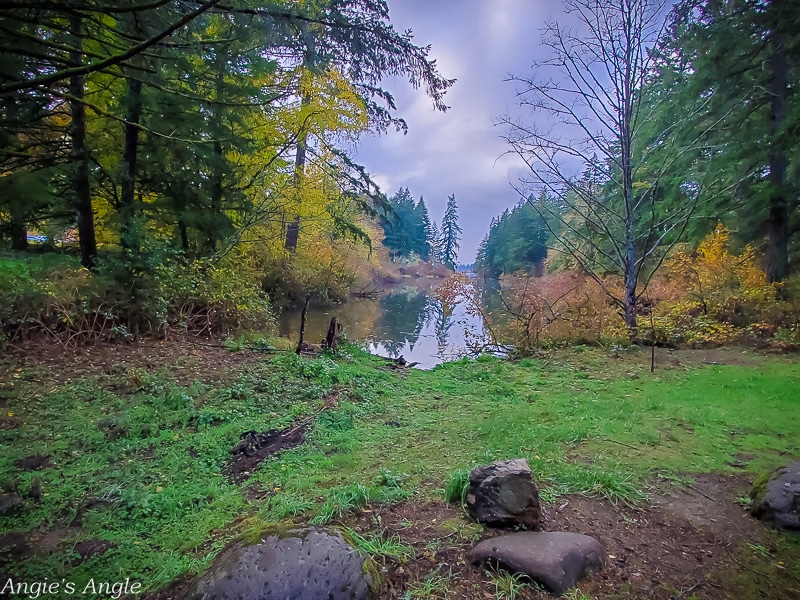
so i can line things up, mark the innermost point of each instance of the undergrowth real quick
(52, 296)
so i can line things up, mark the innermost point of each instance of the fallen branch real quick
(621, 444)
(687, 591)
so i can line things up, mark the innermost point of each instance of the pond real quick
(405, 320)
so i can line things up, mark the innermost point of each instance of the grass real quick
(387, 547)
(138, 458)
(457, 486)
(433, 587)
(507, 586)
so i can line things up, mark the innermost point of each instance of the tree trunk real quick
(184, 236)
(80, 154)
(629, 261)
(133, 114)
(19, 235)
(293, 230)
(303, 324)
(630, 305)
(331, 340)
(216, 176)
(778, 222)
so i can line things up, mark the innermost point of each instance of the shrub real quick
(52, 295)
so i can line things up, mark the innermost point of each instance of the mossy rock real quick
(775, 497)
(303, 564)
(759, 488)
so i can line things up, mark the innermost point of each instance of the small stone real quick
(503, 494)
(555, 559)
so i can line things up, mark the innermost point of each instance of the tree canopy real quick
(183, 120)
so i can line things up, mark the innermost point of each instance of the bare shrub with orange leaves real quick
(565, 307)
(533, 312)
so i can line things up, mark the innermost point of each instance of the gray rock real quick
(9, 502)
(306, 564)
(503, 494)
(776, 498)
(553, 558)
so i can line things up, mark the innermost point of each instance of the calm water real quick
(405, 321)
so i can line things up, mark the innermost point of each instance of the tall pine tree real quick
(451, 232)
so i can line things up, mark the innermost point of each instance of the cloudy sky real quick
(478, 42)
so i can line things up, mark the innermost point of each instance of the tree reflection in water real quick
(406, 321)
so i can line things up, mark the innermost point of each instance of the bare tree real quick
(596, 94)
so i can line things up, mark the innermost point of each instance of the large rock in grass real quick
(775, 498)
(304, 564)
(503, 494)
(555, 559)
(9, 502)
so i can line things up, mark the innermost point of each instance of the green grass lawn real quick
(139, 460)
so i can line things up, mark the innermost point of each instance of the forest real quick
(183, 164)
(189, 160)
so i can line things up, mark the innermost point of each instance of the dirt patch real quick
(187, 356)
(711, 502)
(93, 547)
(440, 536)
(13, 546)
(33, 463)
(714, 356)
(254, 447)
(690, 542)
(681, 358)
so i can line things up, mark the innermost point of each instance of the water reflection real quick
(405, 321)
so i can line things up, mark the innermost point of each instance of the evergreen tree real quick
(516, 242)
(434, 238)
(403, 229)
(425, 231)
(450, 233)
(163, 109)
(743, 58)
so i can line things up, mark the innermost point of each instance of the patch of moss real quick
(760, 487)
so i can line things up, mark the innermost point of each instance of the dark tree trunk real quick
(19, 236)
(293, 230)
(130, 152)
(184, 235)
(80, 154)
(629, 260)
(630, 312)
(778, 222)
(292, 234)
(216, 199)
(331, 340)
(216, 176)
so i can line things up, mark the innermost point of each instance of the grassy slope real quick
(153, 482)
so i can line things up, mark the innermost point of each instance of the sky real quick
(479, 43)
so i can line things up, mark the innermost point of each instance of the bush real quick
(723, 297)
(157, 288)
